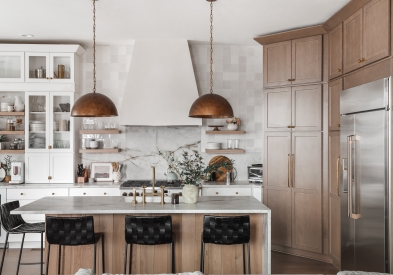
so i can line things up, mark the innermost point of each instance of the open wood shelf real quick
(99, 151)
(115, 131)
(225, 151)
(12, 132)
(12, 113)
(12, 152)
(225, 132)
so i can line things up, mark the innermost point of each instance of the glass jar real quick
(10, 124)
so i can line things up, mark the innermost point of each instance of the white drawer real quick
(34, 194)
(222, 191)
(95, 192)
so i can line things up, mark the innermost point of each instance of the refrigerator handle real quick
(351, 180)
(289, 170)
(338, 176)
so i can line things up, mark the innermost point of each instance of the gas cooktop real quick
(147, 183)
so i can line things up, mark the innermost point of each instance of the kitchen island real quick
(109, 215)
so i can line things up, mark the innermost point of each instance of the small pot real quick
(232, 127)
(190, 193)
(40, 73)
(7, 178)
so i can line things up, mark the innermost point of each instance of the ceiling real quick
(120, 22)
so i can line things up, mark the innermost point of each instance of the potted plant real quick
(233, 123)
(173, 170)
(7, 167)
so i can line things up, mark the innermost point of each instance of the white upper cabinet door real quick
(61, 168)
(12, 66)
(62, 68)
(37, 67)
(37, 168)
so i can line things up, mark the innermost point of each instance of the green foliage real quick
(3, 138)
(192, 168)
(7, 163)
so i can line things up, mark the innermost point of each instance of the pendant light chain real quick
(211, 47)
(94, 45)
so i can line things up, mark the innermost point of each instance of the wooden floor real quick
(281, 264)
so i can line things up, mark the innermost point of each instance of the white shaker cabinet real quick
(95, 191)
(12, 67)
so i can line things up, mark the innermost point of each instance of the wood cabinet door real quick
(376, 30)
(277, 64)
(335, 89)
(277, 109)
(334, 198)
(336, 51)
(276, 188)
(307, 60)
(353, 42)
(306, 184)
(307, 108)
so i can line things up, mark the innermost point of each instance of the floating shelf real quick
(99, 151)
(12, 152)
(12, 132)
(116, 131)
(12, 113)
(225, 151)
(225, 132)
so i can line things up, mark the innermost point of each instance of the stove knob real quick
(130, 194)
(124, 194)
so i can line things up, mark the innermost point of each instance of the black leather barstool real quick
(148, 231)
(14, 224)
(226, 231)
(72, 232)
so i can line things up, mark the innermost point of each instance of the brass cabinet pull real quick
(21, 194)
(237, 193)
(53, 194)
(339, 70)
(49, 177)
(51, 78)
(216, 193)
(84, 193)
(289, 79)
(49, 147)
(292, 169)
(47, 78)
(290, 126)
(104, 193)
(337, 176)
(360, 61)
(338, 125)
(289, 170)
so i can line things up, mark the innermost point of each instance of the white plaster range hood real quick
(161, 85)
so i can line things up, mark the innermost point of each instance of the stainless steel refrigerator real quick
(365, 177)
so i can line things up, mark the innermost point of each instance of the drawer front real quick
(95, 192)
(34, 194)
(227, 192)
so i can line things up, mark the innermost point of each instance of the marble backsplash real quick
(237, 77)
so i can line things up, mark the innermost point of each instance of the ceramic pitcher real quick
(19, 105)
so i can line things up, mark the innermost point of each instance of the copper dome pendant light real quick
(211, 105)
(94, 104)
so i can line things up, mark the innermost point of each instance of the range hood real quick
(161, 85)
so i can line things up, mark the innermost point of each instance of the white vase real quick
(116, 176)
(19, 106)
(190, 193)
(232, 127)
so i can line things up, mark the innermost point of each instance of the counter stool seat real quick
(73, 232)
(14, 224)
(226, 231)
(148, 231)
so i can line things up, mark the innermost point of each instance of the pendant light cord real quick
(94, 46)
(211, 47)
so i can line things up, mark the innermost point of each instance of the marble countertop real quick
(236, 184)
(117, 205)
(106, 184)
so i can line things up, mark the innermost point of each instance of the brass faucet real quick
(153, 191)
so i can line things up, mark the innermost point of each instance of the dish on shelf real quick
(37, 122)
(215, 127)
(214, 145)
(2, 174)
(36, 142)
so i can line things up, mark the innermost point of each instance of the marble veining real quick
(117, 205)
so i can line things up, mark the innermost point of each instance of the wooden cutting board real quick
(217, 160)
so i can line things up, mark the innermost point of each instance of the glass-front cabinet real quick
(12, 67)
(49, 125)
(52, 67)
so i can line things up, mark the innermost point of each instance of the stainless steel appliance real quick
(255, 173)
(365, 177)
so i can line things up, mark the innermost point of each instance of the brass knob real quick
(216, 193)
(293, 79)
(339, 70)
(289, 79)
(49, 177)
(84, 193)
(129, 194)
(21, 194)
(338, 125)
(53, 194)
(289, 126)
(51, 78)
(362, 59)
(237, 193)
(49, 147)
(125, 194)
(104, 193)
(47, 78)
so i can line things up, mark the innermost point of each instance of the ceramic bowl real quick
(94, 144)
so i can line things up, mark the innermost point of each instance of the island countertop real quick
(118, 205)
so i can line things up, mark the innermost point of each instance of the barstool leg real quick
(244, 258)
(125, 259)
(95, 258)
(42, 253)
(202, 267)
(59, 261)
(47, 260)
(130, 267)
(20, 253)
(103, 255)
(249, 259)
(5, 248)
(172, 259)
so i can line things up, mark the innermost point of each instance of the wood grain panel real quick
(376, 30)
(278, 109)
(277, 64)
(334, 155)
(291, 34)
(335, 89)
(353, 42)
(302, 253)
(335, 230)
(336, 52)
(307, 60)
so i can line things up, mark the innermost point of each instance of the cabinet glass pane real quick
(10, 67)
(61, 67)
(37, 122)
(61, 122)
(37, 67)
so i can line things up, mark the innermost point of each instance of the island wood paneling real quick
(187, 230)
